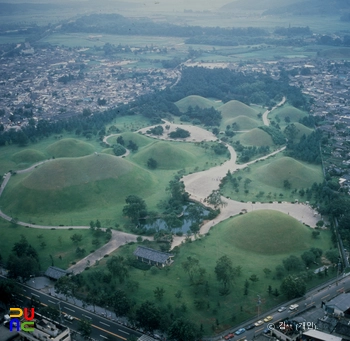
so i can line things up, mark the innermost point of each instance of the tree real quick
(66, 286)
(315, 234)
(152, 163)
(308, 258)
(292, 263)
(267, 271)
(132, 146)
(246, 286)
(120, 302)
(286, 184)
(76, 238)
(120, 140)
(254, 278)
(191, 267)
(8, 288)
(135, 208)
(333, 256)
(117, 268)
(224, 271)
(293, 287)
(159, 293)
(85, 329)
(148, 316)
(184, 330)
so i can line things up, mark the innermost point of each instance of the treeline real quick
(307, 149)
(206, 116)
(118, 24)
(293, 31)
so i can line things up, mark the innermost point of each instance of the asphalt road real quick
(313, 298)
(102, 328)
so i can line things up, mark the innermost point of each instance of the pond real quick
(187, 219)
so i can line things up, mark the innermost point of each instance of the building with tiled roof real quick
(153, 257)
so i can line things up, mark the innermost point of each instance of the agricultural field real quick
(254, 241)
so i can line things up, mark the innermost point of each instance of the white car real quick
(281, 309)
(68, 317)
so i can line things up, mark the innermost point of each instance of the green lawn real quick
(58, 243)
(269, 232)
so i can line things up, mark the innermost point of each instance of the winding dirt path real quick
(264, 116)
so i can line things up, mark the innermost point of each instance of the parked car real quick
(281, 309)
(266, 331)
(259, 323)
(229, 336)
(268, 318)
(240, 331)
(251, 326)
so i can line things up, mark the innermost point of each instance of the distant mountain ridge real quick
(256, 5)
(295, 7)
(312, 7)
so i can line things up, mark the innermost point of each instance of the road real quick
(102, 328)
(313, 298)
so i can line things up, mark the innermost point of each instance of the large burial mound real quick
(300, 175)
(69, 184)
(302, 130)
(266, 232)
(244, 122)
(28, 156)
(167, 155)
(240, 113)
(256, 137)
(290, 112)
(193, 101)
(70, 148)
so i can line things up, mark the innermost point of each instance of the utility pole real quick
(259, 302)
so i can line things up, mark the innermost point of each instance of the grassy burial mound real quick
(70, 148)
(29, 156)
(193, 101)
(168, 155)
(302, 130)
(287, 114)
(238, 112)
(139, 139)
(256, 137)
(243, 123)
(267, 232)
(300, 175)
(98, 181)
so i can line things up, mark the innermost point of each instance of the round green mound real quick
(293, 113)
(297, 173)
(137, 138)
(70, 148)
(167, 155)
(234, 108)
(256, 137)
(244, 122)
(303, 130)
(28, 156)
(266, 232)
(193, 101)
(66, 172)
(98, 181)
